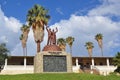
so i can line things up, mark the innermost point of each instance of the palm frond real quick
(21, 37)
(37, 13)
(89, 45)
(99, 36)
(61, 41)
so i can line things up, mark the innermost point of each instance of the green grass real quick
(59, 76)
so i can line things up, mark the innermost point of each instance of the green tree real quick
(3, 55)
(61, 43)
(89, 46)
(116, 62)
(99, 38)
(37, 17)
(24, 36)
(70, 41)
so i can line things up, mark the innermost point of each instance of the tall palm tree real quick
(37, 17)
(61, 43)
(70, 41)
(24, 36)
(99, 38)
(89, 46)
(23, 43)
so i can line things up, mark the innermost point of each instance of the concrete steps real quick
(91, 71)
(81, 71)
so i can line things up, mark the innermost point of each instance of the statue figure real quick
(51, 36)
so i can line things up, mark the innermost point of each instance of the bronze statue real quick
(51, 42)
(51, 36)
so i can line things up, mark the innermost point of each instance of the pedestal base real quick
(56, 61)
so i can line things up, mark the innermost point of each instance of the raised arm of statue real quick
(49, 35)
(47, 28)
(56, 30)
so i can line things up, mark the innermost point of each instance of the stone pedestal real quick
(55, 61)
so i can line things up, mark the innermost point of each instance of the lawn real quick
(58, 76)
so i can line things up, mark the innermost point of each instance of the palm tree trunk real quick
(71, 55)
(100, 45)
(38, 46)
(26, 51)
(23, 51)
(71, 50)
(90, 52)
(102, 51)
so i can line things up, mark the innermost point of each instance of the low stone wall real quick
(17, 69)
(10, 72)
(105, 70)
(76, 69)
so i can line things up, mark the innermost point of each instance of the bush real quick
(116, 62)
(3, 55)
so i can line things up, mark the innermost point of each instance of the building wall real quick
(86, 62)
(19, 60)
(30, 61)
(100, 61)
(16, 63)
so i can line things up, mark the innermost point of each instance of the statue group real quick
(52, 58)
(51, 36)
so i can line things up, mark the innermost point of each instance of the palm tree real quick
(70, 41)
(89, 46)
(61, 43)
(23, 43)
(99, 38)
(38, 17)
(24, 36)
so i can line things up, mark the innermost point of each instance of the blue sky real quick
(82, 19)
(57, 9)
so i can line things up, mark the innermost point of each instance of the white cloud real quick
(108, 8)
(9, 30)
(31, 45)
(9, 23)
(12, 23)
(113, 44)
(4, 39)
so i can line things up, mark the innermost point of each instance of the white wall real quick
(104, 69)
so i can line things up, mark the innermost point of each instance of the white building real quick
(96, 65)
